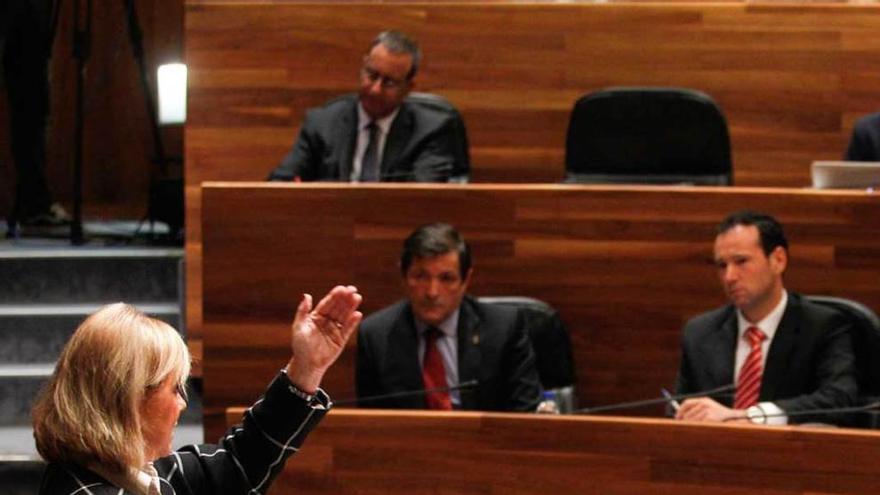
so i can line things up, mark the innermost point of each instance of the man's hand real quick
(318, 335)
(706, 409)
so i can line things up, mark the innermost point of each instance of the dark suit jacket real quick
(864, 146)
(493, 348)
(419, 146)
(810, 364)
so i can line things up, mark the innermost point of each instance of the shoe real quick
(56, 215)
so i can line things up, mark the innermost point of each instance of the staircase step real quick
(35, 333)
(17, 394)
(83, 275)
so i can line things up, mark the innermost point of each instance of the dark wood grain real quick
(625, 266)
(387, 452)
(791, 78)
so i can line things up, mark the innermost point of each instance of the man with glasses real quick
(376, 134)
(439, 338)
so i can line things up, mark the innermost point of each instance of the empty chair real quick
(462, 168)
(866, 343)
(648, 135)
(551, 343)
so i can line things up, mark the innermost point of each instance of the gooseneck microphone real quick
(468, 385)
(819, 412)
(723, 391)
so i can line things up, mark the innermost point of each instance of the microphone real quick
(831, 411)
(463, 386)
(722, 391)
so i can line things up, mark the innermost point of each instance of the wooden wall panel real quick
(625, 266)
(388, 452)
(792, 78)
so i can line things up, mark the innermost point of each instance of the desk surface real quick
(625, 266)
(390, 452)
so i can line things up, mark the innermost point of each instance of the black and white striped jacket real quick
(245, 462)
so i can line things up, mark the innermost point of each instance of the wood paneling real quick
(625, 266)
(387, 452)
(791, 78)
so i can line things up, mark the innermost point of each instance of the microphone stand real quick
(717, 392)
(408, 393)
(874, 406)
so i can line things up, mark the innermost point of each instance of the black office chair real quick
(551, 343)
(462, 168)
(866, 343)
(648, 135)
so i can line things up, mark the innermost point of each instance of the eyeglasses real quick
(386, 82)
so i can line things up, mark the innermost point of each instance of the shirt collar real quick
(448, 327)
(384, 123)
(143, 481)
(770, 322)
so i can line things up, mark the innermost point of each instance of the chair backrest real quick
(866, 341)
(552, 345)
(462, 168)
(648, 135)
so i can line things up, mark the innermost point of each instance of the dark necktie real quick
(434, 373)
(748, 386)
(370, 160)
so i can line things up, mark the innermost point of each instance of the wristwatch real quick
(756, 415)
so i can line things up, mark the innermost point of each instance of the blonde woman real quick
(105, 419)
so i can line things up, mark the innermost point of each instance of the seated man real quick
(439, 337)
(784, 353)
(864, 146)
(375, 135)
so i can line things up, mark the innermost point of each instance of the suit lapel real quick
(722, 352)
(404, 349)
(780, 349)
(398, 136)
(469, 356)
(348, 137)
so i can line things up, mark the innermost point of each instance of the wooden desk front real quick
(625, 266)
(791, 78)
(389, 452)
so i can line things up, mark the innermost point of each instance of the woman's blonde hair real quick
(89, 411)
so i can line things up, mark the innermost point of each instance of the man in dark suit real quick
(375, 135)
(784, 353)
(864, 146)
(439, 337)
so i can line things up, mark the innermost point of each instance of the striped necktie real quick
(748, 386)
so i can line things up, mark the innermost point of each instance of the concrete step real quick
(20, 386)
(88, 274)
(35, 333)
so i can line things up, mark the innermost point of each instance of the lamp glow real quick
(172, 93)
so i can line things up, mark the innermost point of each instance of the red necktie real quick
(748, 386)
(434, 373)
